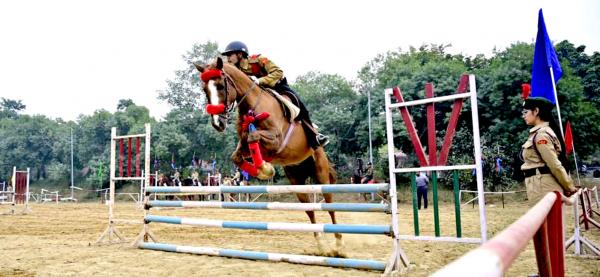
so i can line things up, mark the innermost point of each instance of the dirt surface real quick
(57, 240)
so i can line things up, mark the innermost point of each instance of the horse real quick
(282, 141)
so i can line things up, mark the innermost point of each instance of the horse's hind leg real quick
(297, 175)
(304, 198)
(323, 175)
(339, 243)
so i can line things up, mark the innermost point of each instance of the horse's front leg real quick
(270, 142)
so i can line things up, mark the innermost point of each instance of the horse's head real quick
(219, 100)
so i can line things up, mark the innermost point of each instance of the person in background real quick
(422, 186)
(368, 174)
(543, 154)
(368, 179)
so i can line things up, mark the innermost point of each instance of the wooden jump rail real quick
(543, 224)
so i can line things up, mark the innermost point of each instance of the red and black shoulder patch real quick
(542, 141)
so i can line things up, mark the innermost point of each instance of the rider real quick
(265, 73)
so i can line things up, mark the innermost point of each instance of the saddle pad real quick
(294, 110)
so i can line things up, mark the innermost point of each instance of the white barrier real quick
(111, 233)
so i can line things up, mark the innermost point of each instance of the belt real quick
(535, 171)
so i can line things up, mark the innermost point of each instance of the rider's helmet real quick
(235, 46)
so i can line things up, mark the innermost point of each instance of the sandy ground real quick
(57, 240)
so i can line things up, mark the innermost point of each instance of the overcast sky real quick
(66, 58)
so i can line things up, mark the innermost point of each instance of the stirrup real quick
(322, 139)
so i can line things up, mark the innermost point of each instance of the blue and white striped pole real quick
(275, 257)
(275, 226)
(338, 207)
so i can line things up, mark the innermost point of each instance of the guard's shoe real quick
(322, 139)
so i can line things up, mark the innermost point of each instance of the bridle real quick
(228, 107)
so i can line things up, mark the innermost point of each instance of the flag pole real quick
(576, 167)
(562, 133)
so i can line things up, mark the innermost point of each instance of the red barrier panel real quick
(121, 152)
(138, 173)
(129, 152)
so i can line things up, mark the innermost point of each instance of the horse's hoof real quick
(266, 171)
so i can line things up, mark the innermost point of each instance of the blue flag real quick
(544, 58)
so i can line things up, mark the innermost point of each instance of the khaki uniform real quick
(267, 72)
(548, 147)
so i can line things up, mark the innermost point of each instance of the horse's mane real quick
(235, 73)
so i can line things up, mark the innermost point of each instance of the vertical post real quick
(456, 187)
(147, 157)
(14, 187)
(396, 250)
(27, 191)
(436, 211)
(413, 185)
(370, 141)
(72, 182)
(111, 197)
(556, 238)
(478, 167)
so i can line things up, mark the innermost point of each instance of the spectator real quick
(422, 185)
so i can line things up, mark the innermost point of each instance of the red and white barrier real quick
(111, 234)
(542, 223)
(17, 192)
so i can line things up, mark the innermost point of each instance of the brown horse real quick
(282, 141)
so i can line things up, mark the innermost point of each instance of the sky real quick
(67, 58)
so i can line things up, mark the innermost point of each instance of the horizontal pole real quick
(275, 257)
(433, 168)
(430, 100)
(128, 178)
(341, 207)
(130, 136)
(273, 226)
(440, 239)
(366, 188)
(494, 192)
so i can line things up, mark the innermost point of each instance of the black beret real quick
(537, 102)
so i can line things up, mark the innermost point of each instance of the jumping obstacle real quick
(542, 223)
(433, 163)
(578, 241)
(147, 240)
(17, 192)
(111, 233)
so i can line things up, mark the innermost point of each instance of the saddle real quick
(290, 110)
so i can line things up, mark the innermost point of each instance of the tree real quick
(184, 91)
(10, 108)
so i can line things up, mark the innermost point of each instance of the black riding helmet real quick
(235, 46)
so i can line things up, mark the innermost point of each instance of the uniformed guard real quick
(543, 152)
(266, 73)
